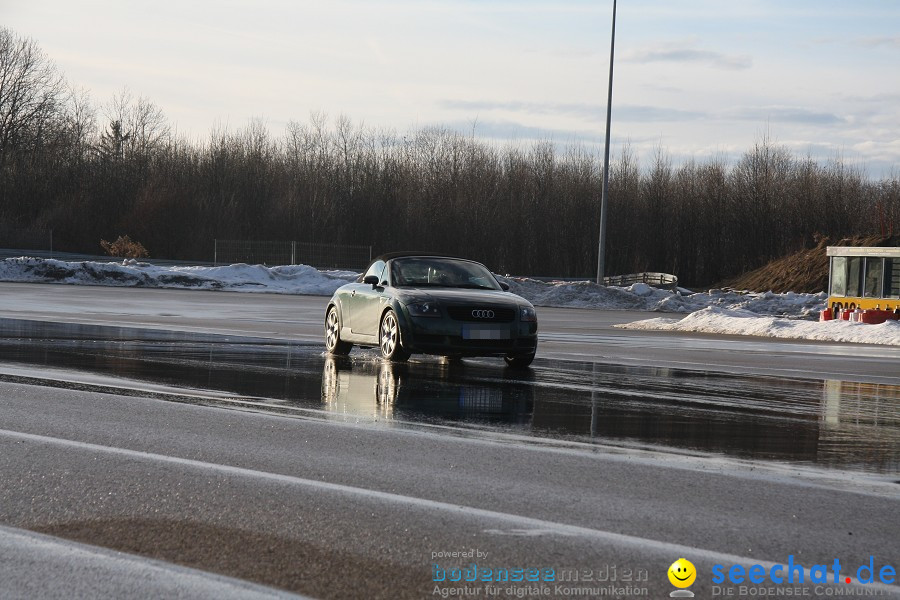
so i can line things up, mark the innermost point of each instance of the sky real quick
(694, 78)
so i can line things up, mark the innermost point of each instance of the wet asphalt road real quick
(833, 423)
(338, 510)
(260, 459)
(34, 565)
(565, 333)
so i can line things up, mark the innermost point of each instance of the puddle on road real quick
(832, 423)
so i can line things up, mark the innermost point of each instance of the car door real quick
(367, 304)
(352, 299)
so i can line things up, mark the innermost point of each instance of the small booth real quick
(863, 282)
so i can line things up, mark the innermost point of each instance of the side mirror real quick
(505, 286)
(371, 280)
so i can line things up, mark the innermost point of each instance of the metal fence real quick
(80, 257)
(261, 252)
(26, 239)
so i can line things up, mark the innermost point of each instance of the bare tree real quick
(81, 122)
(136, 127)
(32, 93)
(521, 208)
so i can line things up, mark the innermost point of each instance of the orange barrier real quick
(871, 316)
(876, 317)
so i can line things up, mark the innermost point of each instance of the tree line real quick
(92, 172)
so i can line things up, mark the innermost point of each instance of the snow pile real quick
(744, 322)
(640, 296)
(291, 279)
(715, 311)
(302, 279)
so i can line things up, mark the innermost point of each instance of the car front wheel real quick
(333, 342)
(389, 338)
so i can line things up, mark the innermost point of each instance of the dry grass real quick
(125, 247)
(803, 271)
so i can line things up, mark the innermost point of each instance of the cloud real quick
(686, 54)
(512, 130)
(592, 112)
(877, 158)
(888, 99)
(782, 114)
(643, 114)
(891, 42)
(634, 113)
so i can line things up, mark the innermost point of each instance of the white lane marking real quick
(682, 459)
(138, 574)
(520, 525)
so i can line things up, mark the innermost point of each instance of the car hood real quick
(460, 296)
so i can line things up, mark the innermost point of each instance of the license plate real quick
(484, 332)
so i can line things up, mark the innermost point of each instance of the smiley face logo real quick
(682, 573)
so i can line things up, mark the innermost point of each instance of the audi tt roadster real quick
(407, 303)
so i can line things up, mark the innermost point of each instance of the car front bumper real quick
(444, 336)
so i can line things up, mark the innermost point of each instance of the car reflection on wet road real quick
(845, 425)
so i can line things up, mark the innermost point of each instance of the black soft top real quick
(409, 254)
(404, 254)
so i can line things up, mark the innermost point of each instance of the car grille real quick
(464, 313)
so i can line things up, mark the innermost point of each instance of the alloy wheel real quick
(331, 330)
(389, 335)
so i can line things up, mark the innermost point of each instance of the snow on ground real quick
(292, 279)
(640, 296)
(743, 322)
(715, 311)
(302, 279)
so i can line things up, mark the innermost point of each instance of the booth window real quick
(854, 272)
(873, 277)
(839, 276)
(892, 277)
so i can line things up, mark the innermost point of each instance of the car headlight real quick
(527, 314)
(423, 309)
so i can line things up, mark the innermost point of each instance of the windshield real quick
(441, 272)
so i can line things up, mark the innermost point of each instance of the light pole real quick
(604, 197)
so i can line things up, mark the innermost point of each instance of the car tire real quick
(389, 338)
(333, 342)
(519, 361)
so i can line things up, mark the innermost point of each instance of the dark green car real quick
(414, 303)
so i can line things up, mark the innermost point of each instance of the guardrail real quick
(659, 280)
